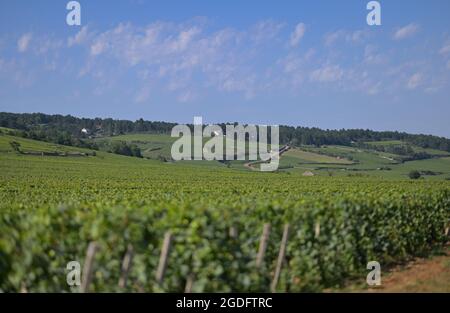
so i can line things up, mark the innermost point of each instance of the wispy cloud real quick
(297, 34)
(188, 60)
(186, 96)
(327, 73)
(79, 38)
(23, 42)
(265, 30)
(350, 36)
(373, 56)
(406, 31)
(445, 50)
(414, 81)
(175, 53)
(142, 95)
(97, 47)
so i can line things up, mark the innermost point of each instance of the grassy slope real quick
(321, 160)
(151, 145)
(302, 156)
(154, 146)
(106, 177)
(415, 148)
(29, 145)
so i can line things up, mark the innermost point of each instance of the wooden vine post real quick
(233, 232)
(88, 266)
(126, 266)
(189, 283)
(281, 256)
(163, 257)
(263, 245)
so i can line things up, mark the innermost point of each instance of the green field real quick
(322, 161)
(415, 148)
(153, 146)
(52, 207)
(310, 157)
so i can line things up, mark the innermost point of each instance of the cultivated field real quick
(52, 207)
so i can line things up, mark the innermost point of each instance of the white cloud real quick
(97, 47)
(327, 73)
(185, 59)
(414, 81)
(445, 49)
(175, 53)
(355, 36)
(185, 37)
(18, 72)
(186, 96)
(294, 68)
(297, 34)
(331, 38)
(23, 42)
(406, 31)
(143, 95)
(79, 38)
(265, 30)
(371, 56)
(432, 89)
(373, 89)
(44, 45)
(291, 63)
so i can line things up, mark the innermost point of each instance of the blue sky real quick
(309, 63)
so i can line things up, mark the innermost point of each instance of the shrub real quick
(414, 175)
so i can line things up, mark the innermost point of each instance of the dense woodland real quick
(67, 130)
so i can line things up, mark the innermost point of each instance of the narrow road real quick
(282, 150)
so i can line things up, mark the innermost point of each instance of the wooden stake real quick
(88, 266)
(189, 283)
(126, 266)
(233, 232)
(163, 257)
(280, 260)
(317, 230)
(23, 288)
(263, 245)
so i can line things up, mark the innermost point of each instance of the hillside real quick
(54, 205)
(322, 161)
(333, 160)
(73, 131)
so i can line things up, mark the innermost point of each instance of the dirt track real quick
(421, 275)
(249, 165)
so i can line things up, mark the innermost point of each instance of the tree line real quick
(67, 130)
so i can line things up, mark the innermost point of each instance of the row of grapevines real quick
(332, 238)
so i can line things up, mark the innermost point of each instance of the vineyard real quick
(52, 208)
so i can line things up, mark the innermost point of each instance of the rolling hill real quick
(381, 158)
(322, 161)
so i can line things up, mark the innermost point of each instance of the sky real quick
(301, 63)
